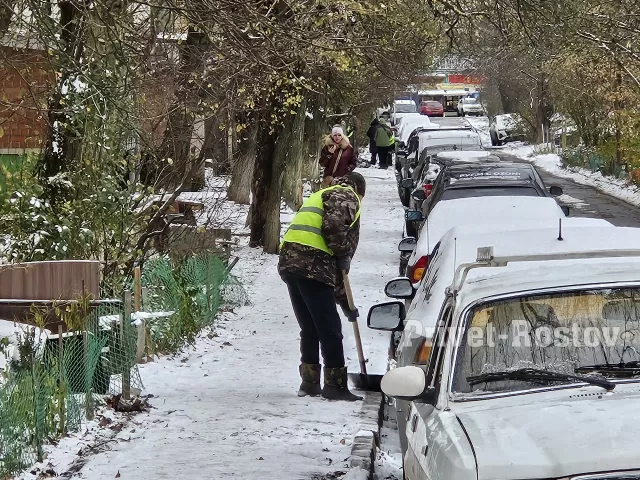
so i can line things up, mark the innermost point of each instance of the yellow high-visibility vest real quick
(306, 226)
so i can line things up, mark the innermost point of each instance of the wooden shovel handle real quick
(356, 328)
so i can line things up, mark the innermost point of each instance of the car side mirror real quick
(566, 210)
(386, 316)
(555, 191)
(407, 244)
(413, 215)
(407, 383)
(400, 288)
(419, 195)
(407, 183)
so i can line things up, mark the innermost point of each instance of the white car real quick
(408, 123)
(505, 128)
(470, 106)
(401, 108)
(447, 214)
(532, 370)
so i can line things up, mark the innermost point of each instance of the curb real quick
(366, 441)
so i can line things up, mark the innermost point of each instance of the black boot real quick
(310, 375)
(336, 386)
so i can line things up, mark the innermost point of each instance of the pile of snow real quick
(552, 163)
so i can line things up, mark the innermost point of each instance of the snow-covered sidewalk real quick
(551, 163)
(228, 408)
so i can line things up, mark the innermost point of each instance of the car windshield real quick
(405, 108)
(468, 192)
(470, 100)
(595, 332)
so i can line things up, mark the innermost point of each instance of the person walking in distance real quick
(371, 134)
(316, 248)
(385, 144)
(337, 156)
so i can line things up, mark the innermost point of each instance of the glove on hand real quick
(352, 315)
(344, 263)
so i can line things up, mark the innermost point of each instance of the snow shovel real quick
(362, 380)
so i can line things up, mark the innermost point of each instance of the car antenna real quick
(560, 230)
(455, 255)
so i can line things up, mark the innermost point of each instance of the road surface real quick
(583, 200)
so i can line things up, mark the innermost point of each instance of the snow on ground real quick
(228, 407)
(8, 331)
(388, 464)
(552, 164)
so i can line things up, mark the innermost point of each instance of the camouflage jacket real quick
(340, 207)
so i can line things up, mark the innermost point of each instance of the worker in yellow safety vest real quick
(315, 250)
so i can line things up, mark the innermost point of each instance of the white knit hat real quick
(337, 129)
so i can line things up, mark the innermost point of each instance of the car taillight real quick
(423, 353)
(427, 188)
(417, 271)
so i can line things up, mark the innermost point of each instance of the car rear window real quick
(432, 104)
(470, 100)
(470, 192)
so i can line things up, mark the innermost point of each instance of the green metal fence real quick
(57, 381)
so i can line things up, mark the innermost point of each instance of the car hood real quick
(572, 431)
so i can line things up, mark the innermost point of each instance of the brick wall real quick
(24, 81)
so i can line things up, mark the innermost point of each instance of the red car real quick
(432, 108)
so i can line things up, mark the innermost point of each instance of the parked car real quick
(401, 108)
(426, 141)
(426, 174)
(508, 373)
(505, 128)
(470, 106)
(467, 211)
(432, 108)
(487, 179)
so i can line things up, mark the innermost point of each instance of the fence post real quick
(126, 368)
(141, 328)
(62, 385)
(87, 377)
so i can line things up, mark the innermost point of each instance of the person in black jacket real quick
(371, 133)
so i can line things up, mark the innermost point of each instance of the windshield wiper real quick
(623, 369)
(538, 375)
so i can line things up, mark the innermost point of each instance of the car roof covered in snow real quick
(408, 124)
(542, 274)
(463, 211)
(467, 155)
(460, 244)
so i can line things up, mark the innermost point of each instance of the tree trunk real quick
(618, 107)
(176, 143)
(294, 154)
(215, 145)
(262, 175)
(242, 169)
(6, 10)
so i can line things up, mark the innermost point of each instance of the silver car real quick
(470, 106)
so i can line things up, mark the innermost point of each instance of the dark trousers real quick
(320, 326)
(384, 156)
(374, 155)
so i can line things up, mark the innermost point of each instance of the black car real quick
(486, 180)
(423, 176)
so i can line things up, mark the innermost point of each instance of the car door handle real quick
(414, 422)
